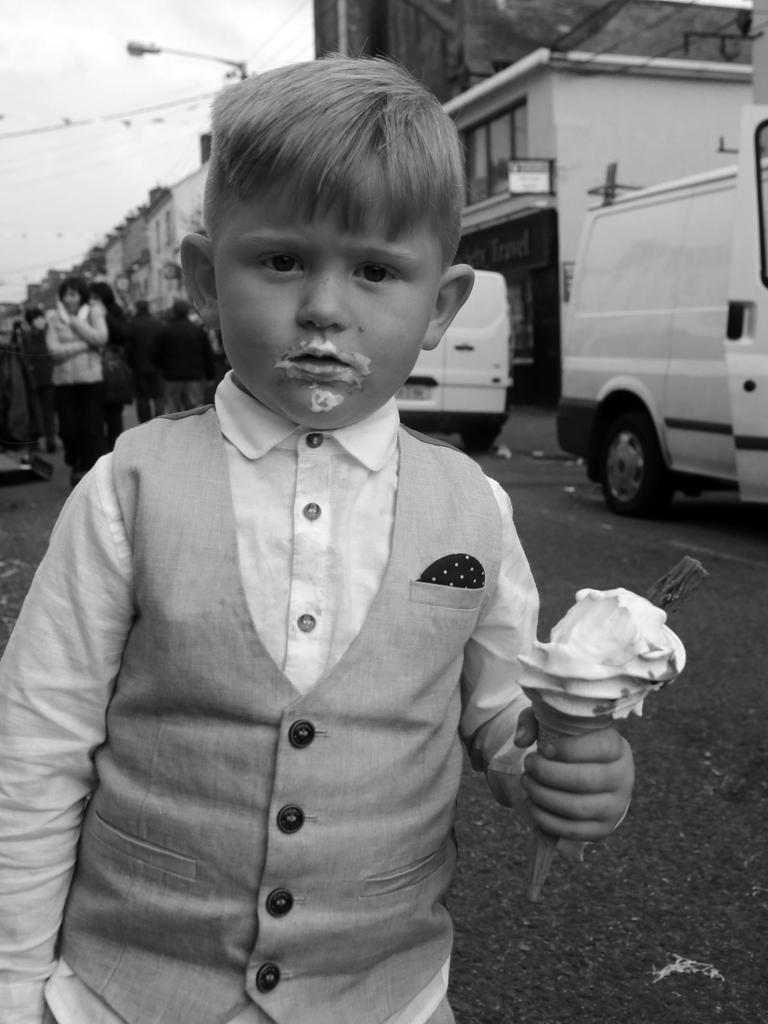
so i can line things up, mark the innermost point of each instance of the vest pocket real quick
(406, 876)
(140, 850)
(461, 598)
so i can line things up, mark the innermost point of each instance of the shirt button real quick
(290, 818)
(279, 902)
(312, 510)
(307, 623)
(301, 733)
(315, 440)
(267, 977)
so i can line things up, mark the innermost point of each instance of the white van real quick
(665, 354)
(463, 384)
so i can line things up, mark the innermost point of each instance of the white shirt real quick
(58, 669)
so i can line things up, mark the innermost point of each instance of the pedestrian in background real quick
(41, 365)
(184, 357)
(140, 353)
(76, 334)
(19, 414)
(118, 379)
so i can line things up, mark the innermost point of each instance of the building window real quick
(168, 238)
(489, 146)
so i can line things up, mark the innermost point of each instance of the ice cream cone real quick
(552, 724)
(608, 652)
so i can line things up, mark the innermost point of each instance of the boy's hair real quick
(359, 136)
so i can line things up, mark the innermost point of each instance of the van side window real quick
(761, 156)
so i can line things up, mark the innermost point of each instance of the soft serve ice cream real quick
(607, 653)
(604, 656)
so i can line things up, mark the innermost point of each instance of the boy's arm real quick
(55, 681)
(492, 700)
(579, 790)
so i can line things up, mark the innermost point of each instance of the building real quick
(174, 214)
(451, 45)
(557, 132)
(598, 94)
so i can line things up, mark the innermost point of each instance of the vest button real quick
(290, 818)
(301, 733)
(312, 510)
(267, 977)
(306, 623)
(314, 440)
(279, 902)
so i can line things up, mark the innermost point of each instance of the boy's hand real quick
(580, 787)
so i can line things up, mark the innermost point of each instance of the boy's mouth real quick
(319, 360)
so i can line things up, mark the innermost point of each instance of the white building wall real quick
(188, 202)
(114, 258)
(178, 215)
(655, 128)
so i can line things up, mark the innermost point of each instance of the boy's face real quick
(321, 324)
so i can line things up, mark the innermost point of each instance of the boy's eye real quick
(374, 272)
(282, 263)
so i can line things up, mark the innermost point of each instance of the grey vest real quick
(245, 842)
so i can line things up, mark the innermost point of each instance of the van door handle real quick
(464, 348)
(735, 325)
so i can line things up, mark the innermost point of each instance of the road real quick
(686, 876)
(668, 920)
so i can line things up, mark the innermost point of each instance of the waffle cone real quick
(552, 724)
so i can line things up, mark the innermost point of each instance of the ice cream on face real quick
(321, 400)
(318, 361)
(604, 656)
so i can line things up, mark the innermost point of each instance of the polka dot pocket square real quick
(458, 570)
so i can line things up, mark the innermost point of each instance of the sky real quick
(87, 130)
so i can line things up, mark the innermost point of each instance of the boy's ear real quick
(455, 287)
(200, 277)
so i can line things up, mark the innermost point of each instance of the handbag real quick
(118, 377)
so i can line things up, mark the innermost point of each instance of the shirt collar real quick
(255, 430)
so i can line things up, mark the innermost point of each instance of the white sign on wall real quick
(528, 177)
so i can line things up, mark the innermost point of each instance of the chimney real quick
(205, 148)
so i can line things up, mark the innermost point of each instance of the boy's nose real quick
(321, 303)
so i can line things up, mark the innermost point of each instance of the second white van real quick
(463, 385)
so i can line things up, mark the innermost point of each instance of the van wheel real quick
(479, 437)
(632, 471)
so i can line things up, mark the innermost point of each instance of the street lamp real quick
(139, 49)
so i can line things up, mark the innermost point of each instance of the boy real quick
(255, 594)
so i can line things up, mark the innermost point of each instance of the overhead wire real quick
(300, 6)
(592, 55)
(103, 150)
(68, 123)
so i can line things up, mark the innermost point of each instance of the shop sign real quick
(529, 177)
(522, 242)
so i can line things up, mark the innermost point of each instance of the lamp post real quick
(139, 49)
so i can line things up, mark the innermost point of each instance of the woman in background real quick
(76, 333)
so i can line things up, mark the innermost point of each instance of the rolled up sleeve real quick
(492, 697)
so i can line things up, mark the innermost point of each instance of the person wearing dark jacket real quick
(140, 351)
(41, 365)
(184, 356)
(118, 391)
